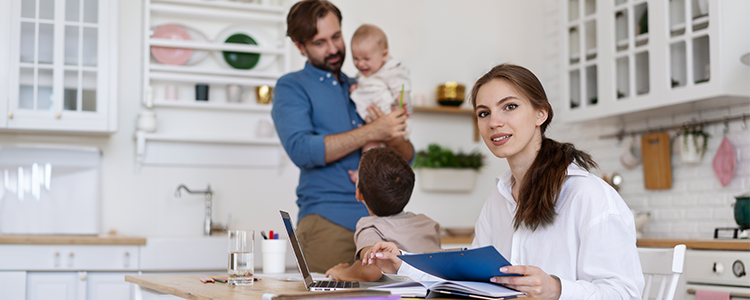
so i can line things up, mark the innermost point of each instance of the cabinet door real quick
(13, 285)
(109, 286)
(61, 65)
(56, 286)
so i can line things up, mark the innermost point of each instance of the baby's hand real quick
(353, 87)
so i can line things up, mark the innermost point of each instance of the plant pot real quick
(447, 180)
(691, 148)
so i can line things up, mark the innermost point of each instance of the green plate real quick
(241, 60)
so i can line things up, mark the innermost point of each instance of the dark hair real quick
(385, 180)
(302, 20)
(543, 181)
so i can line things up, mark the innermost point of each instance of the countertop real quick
(190, 287)
(14, 239)
(712, 244)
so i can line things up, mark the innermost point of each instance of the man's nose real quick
(331, 49)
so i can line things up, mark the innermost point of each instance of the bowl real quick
(451, 93)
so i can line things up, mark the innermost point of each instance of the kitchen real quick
(138, 199)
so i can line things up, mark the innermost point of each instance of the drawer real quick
(69, 258)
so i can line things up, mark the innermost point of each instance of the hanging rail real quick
(623, 133)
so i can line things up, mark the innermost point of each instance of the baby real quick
(380, 79)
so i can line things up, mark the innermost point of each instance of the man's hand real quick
(387, 127)
(383, 255)
(534, 283)
(333, 272)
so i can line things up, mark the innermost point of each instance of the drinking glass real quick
(241, 253)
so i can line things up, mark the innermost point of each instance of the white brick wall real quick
(696, 203)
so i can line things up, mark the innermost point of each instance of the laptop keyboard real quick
(335, 284)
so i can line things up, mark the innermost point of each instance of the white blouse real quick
(591, 246)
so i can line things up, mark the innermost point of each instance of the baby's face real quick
(368, 56)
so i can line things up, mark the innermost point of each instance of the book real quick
(481, 290)
(348, 294)
(479, 264)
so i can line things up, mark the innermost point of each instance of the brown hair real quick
(370, 31)
(302, 20)
(543, 181)
(386, 181)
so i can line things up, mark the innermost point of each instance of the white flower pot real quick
(446, 179)
(689, 153)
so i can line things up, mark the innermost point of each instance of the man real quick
(322, 133)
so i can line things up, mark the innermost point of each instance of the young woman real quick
(565, 230)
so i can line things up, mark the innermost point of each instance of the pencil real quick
(401, 101)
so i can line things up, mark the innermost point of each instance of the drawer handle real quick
(126, 263)
(56, 259)
(691, 291)
(70, 260)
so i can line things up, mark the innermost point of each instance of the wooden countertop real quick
(743, 244)
(457, 239)
(190, 287)
(14, 239)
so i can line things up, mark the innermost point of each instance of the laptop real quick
(317, 286)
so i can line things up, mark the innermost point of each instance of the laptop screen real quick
(301, 263)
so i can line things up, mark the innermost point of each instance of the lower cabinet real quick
(109, 286)
(77, 286)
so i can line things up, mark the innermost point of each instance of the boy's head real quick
(369, 49)
(385, 181)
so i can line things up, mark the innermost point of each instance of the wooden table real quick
(190, 287)
(715, 244)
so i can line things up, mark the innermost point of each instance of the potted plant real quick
(693, 142)
(441, 170)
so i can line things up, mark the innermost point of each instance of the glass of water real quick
(241, 266)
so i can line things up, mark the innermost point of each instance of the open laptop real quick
(317, 286)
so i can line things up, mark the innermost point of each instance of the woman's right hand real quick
(384, 255)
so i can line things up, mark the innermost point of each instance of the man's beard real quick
(324, 65)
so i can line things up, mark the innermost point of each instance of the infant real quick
(380, 79)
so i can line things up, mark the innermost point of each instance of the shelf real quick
(700, 20)
(622, 43)
(677, 27)
(212, 79)
(591, 54)
(194, 70)
(211, 139)
(444, 109)
(227, 15)
(212, 105)
(641, 37)
(228, 5)
(214, 46)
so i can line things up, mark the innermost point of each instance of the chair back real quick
(664, 265)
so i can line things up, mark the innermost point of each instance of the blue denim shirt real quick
(308, 105)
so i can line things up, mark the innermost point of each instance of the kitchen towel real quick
(725, 162)
(711, 295)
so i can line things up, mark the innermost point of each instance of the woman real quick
(548, 215)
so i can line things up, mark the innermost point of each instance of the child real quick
(380, 78)
(385, 185)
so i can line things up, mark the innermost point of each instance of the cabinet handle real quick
(58, 115)
(126, 263)
(10, 115)
(70, 261)
(56, 259)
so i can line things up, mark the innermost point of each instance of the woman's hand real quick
(383, 255)
(534, 283)
(333, 272)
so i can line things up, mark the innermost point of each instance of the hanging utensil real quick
(657, 162)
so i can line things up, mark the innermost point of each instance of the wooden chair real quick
(664, 265)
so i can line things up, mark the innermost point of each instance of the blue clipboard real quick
(479, 264)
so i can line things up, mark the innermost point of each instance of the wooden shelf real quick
(444, 109)
(697, 244)
(71, 240)
(212, 105)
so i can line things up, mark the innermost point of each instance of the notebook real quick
(478, 264)
(316, 285)
(481, 290)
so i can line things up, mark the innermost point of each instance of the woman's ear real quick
(541, 117)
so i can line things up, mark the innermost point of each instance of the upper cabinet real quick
(626, 56)
(59, 65)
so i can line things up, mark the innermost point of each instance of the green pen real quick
(401, 101)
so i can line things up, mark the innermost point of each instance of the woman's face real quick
(507, 121)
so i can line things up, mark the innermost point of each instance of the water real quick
(240, 268)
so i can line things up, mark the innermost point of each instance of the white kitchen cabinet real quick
(59, 65)
(69, 258)
(13, 285)
(108, 286)
(56, 286)
(626, 56)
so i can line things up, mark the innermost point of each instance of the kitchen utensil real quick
(657, 163)
(234, 93)
(264, 94)
(742, 211)
(243, 60)
(451, 93)
(201, 92)
(725, 162)
(171, 56)
(628, 157)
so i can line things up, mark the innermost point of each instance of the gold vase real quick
(264, 94)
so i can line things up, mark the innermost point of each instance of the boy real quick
(380, 78)
(385, 185)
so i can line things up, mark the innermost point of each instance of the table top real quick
(190, 287)
(715, 244)
(21, 239)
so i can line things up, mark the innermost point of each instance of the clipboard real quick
(479, 264)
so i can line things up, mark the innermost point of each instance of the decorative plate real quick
(244, 60)
(171, 56)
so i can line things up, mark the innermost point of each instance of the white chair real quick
(664, 265)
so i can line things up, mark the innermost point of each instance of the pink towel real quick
(711, 295)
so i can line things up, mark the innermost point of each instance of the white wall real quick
(437, 40)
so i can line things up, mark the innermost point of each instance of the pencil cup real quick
(241, 252)
(274, 255)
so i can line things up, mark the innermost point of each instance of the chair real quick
(664, 265)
